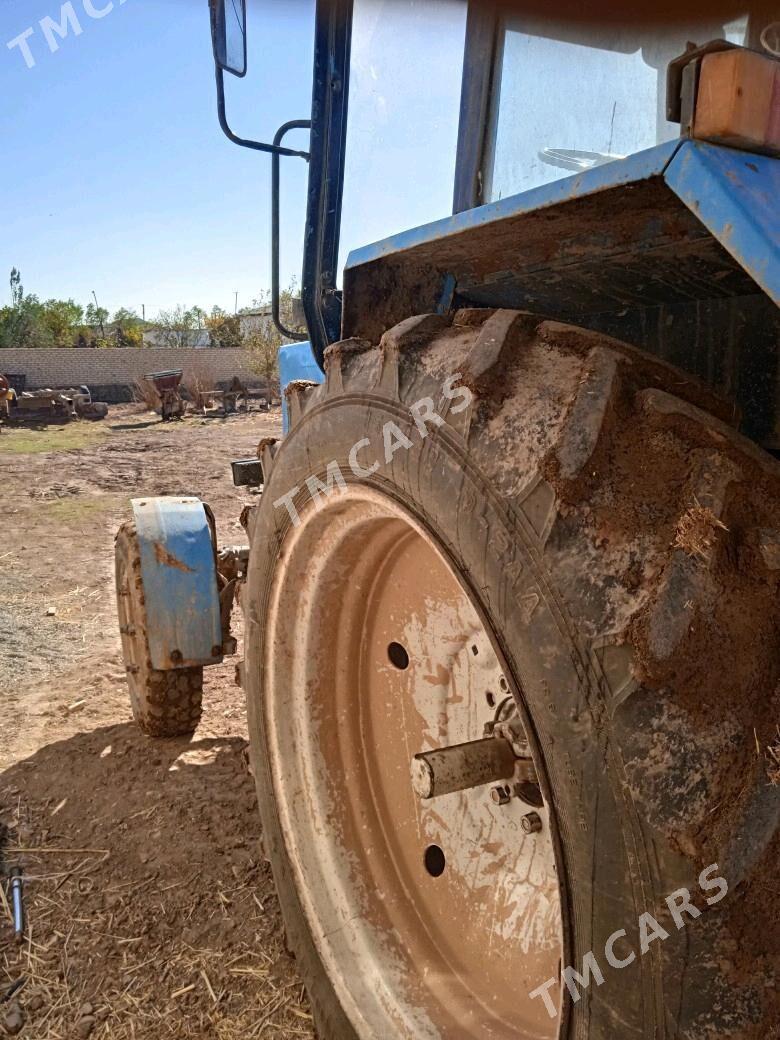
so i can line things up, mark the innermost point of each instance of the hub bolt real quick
(501, 795)
(531, 823)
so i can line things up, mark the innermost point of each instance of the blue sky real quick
(116, 177)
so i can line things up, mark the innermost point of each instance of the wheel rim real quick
(432, 918)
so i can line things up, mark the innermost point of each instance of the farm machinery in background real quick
(512, 640)
(234, 397)
(48, 406)
(166, 384)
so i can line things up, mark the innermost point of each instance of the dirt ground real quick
(151, 910)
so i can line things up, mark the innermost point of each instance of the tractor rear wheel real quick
(164, 703)
(493, 515)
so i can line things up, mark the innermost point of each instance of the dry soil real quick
(151, 910)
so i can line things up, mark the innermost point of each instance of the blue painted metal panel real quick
(179, 580)
(296, 361)
(736, 195)
(649, 163)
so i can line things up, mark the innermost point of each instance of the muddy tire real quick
(164, 703)
(622, 544)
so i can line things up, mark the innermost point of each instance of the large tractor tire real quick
(164, 703)
(572, 531)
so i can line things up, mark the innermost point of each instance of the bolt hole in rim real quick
(433, 919)
(435, 861)
(398, 655)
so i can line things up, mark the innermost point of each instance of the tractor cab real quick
(618, 174)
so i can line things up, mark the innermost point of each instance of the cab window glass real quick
(404, 102)
(574, 96)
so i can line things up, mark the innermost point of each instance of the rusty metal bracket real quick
(513, 732)
(232, 563)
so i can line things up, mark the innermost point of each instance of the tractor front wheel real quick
(164, 703)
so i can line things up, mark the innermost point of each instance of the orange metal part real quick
(738, 101)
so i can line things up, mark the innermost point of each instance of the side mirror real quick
(228, 33)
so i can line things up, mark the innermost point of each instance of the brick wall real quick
(111, 373)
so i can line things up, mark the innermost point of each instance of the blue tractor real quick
(512, 639)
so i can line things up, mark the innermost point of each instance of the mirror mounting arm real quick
(258, 146)
(293, 124)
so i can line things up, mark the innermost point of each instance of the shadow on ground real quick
(161, 803)
(137, 425)
(145, 877)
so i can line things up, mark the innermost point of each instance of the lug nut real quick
(501, 795)
(531, 823)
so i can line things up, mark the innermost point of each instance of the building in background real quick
(258, 320)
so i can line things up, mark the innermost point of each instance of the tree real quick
(225, 329)
(132, 336)
(126, 316)
(63, 323)
(175, 324)
(22, 324)
(17, 289)
(95, 316)
(62, 318)
(128, 328)
(263, 350)
(263, 343)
